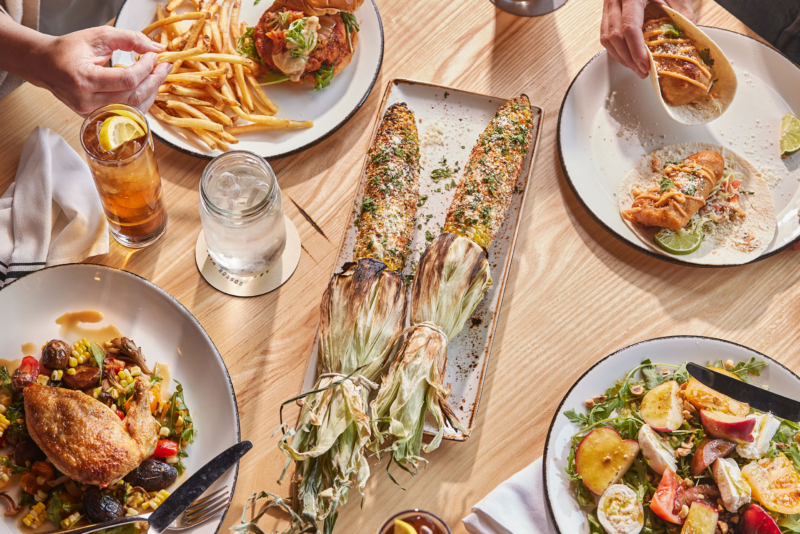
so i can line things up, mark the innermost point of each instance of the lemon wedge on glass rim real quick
(131, 115)
(118, 130)
(401, 527)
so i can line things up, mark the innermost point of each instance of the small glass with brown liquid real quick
(423, 522)
(127, 180)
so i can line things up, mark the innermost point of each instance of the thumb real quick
(129, 40)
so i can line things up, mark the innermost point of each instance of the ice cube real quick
(224, 186)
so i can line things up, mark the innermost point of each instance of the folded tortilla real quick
(730, 242)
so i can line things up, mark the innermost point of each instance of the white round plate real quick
(329, 108)
(563, 509)
(610, 118)
(159, 324)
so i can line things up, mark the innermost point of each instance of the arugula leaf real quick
(155, 376)
(705, 55)
(577, 418)
(681, 375)
(274, 77)
(26, 499)
(323, 76)
(790, 523)
(594, 524)
(246, 45)
(99, 357)
(652, 376)
(666, 184)
(350, 24)
(751, 367)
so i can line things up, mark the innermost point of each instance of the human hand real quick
(72, 69)
(621, 30)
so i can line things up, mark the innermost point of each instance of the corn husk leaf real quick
(361, 317)
(452, 278)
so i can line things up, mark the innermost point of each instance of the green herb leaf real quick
(246, 45)
(10, 467)
(323, 76)
(790, 523)
(705, 55)
(671, 30)
(274, 77)
(5, 377)
(751, 367)
(54, 510)
(350, 24)
(666, 184)
(681, 375)
(99, 357)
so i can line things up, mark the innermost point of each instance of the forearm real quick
(21, 50)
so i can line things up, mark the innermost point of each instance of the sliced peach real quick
(724, 371)
(707, 452)
(726, 426)
(702, 519)
(705, 398)
(755, 520)
(603, 457)
(662, 408)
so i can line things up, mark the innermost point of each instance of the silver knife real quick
(755, 396)
(181, 498)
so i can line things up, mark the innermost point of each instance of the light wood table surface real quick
(574, 293)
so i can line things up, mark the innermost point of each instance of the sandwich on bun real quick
(303, 41)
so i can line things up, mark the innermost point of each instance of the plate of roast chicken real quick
(110, 393)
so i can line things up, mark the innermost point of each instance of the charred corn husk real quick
(452, 278)
(362, 314)
(495, 163)
(386, 215)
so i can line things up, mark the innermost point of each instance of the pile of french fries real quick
(210, 76)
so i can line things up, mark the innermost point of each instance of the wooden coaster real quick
(250, 286)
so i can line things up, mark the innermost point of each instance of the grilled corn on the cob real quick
(386, 217)
(495, 163)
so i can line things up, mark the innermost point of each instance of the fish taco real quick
(700, 202)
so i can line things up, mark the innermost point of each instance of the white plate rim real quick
(607, 228)
(292, 152)
(196, 322)
(547, 498)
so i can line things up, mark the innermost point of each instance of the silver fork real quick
(203, 509)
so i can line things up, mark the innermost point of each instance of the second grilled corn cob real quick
(386, 217)
(480, 203)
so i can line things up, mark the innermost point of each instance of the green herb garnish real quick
(705, 55)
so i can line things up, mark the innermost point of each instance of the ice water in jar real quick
(241, 210)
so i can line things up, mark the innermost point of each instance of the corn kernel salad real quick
(108, 373)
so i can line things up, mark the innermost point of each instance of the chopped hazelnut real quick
(683, 452)
(688, 483)
(687, 415)
(728, 364)
(665, 372)
(600, 398)
(686, 445)
(637, 390)
(589, 403)
(723, 526)
(735, 519)
(781, 446)
(684, 512)
(607, 459)
(717, 401)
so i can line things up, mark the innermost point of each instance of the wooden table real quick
(574, 294)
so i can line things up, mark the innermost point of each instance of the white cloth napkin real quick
(514, 507)
(51, 214)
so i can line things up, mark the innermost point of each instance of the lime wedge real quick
(790, 135)
(117, 131)
(680, 242)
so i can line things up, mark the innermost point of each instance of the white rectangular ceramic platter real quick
(449, 122)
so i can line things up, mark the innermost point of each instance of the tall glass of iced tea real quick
(119, 149)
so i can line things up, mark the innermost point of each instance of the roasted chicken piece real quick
(84, 438)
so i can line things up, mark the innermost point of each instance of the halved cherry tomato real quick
(736, 183)
(112, 365)
(663, 503)
(166, 448)
(30, 480)
(120, 414)
(29, 365)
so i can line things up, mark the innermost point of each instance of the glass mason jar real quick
(421, 521)
(241, 209)
(126, 178)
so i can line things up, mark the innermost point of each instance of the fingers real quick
(632, 20)
(144, 94)
(615, 34)
(114, 79)
(111, 39)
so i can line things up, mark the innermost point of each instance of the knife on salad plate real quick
(756, 396)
